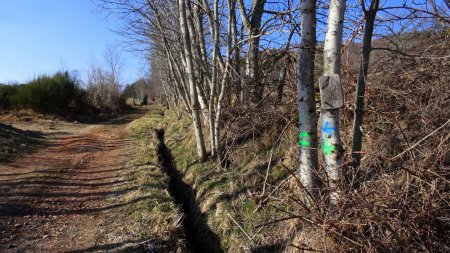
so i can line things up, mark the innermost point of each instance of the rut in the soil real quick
(199, 235)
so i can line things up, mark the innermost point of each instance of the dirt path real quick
(51, 200)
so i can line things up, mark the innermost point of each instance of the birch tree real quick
(308, 154)
(331, 141)
(185, 34)
(224, 84)
(214, 26)
(221, 67)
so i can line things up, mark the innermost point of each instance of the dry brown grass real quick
(402, 204)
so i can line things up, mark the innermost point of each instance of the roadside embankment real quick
(222, 207)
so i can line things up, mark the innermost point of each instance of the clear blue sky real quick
(41, 36)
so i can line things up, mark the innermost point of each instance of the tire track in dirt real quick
(52, 200)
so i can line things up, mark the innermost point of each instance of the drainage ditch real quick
(199, 235)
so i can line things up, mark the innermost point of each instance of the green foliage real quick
(139, 91)
(6, 91)
(43, 94)
(129, 91)
(145, 100)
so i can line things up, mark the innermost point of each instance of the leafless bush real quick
(103, 85)
(103, 91)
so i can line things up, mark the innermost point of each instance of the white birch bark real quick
(192, 87)
(331, 140)
(308, 154)
(225, 80)
(212, 103)
(174, 68)
(198, 63)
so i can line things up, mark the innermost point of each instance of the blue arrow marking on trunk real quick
(328, 129)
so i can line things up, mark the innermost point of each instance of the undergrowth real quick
(402, 202)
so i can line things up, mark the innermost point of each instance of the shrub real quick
(61, 93)
(45, 93)
(6, 91)
(103, 90)
(145, 100)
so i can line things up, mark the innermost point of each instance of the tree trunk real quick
(306, 102)
(236, 52)
(192, 87)
(173, 65)
(252, 24)
(253, 82)
(331, 140)
(283, 71)
(370, 16)
(212, 97)
(281, 84)
(225, 79)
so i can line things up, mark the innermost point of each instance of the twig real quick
(267, 171)
(417, 143)
(144, 242)
(278, 220)
(304, 249)
(243, 231)
(277, 187)
(406, 139)
(274, 146)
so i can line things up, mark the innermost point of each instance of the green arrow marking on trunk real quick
(328, 148)
(304, 139)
